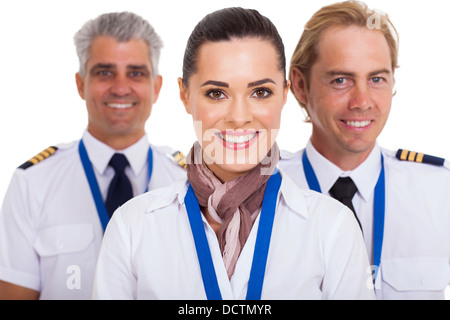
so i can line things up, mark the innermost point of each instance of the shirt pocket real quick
(416, 274)
(63, 239)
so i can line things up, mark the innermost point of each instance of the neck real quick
(117, 142)
(212, 223)
(346, 160)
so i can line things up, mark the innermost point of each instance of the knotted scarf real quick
(234, 204)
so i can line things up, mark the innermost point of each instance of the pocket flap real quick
(63, 239)
(414, 274)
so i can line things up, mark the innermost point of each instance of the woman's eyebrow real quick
(260, 82)
(216, 83)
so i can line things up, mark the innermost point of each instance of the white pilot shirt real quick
(50, 233)
(415, 259)
(316, 251)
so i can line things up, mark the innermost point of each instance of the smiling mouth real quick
(120, 105)
(238, 141)
(358, 124)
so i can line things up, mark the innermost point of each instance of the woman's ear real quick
(184, 95)
(299, 85)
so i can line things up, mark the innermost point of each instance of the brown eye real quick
(215, 94)
(261, 93)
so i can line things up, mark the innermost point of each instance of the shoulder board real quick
(39, 157)
(405, 155)
(180, 159)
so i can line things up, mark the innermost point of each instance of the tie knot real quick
(343, 188)
(118, 162)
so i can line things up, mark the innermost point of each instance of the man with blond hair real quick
(342, 74)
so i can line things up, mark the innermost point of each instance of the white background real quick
(40, 105)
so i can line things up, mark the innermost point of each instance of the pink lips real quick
(239, 139)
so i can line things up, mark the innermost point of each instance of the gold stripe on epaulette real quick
(419, 157)
(43, 155)
(404, 155)
(412, 156)
(39, 157)
(179, 158)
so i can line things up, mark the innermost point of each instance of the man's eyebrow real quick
(216, 83)
(260, 82)
(352, 74)
(333, 73)
(102, 66)
(374, 73)
(137, 67)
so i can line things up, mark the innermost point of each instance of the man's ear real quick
(299, 85)
(80, 84)
(184, 95)
(158, 81)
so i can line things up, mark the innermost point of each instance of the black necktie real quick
(343, 190)
(119, 190)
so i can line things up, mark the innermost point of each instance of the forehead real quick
(109, 51)
(238, 58)
(353, 47)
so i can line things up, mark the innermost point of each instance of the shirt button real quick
(60, 245)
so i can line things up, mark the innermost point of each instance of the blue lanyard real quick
(93, 184)
(379, 204)
(260, 253)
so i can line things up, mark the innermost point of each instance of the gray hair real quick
(122, 26)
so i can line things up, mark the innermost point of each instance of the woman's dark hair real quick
(228, 24)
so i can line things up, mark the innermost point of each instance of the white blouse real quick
(316, 251)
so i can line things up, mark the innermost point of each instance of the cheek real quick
(384, 103)
(325, 104)
(269, 116)
(145, 92)
(96, 92)
(205, 119)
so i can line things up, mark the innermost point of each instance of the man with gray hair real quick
(59, 202)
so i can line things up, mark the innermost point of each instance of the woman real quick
(237, 228)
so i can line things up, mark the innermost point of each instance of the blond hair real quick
(339, 14)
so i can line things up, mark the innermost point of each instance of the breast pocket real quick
(67, 261)
(63, 239)
(415, 278)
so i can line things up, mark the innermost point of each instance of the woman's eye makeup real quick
(219, 94)
(215, 94)
(262, 93)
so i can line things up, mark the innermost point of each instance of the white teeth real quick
(358, 124)
(237, 139)
(120, 105)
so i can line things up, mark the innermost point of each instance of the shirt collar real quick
(365, 175)
(100, 153)
(292, 196)
(288, 190)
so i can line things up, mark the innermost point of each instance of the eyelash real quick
(267, 91)
(210, 93)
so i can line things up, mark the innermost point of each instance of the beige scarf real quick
(234, 204)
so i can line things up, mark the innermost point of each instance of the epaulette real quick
(39, 157)
(180, 159)
(412, 156)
